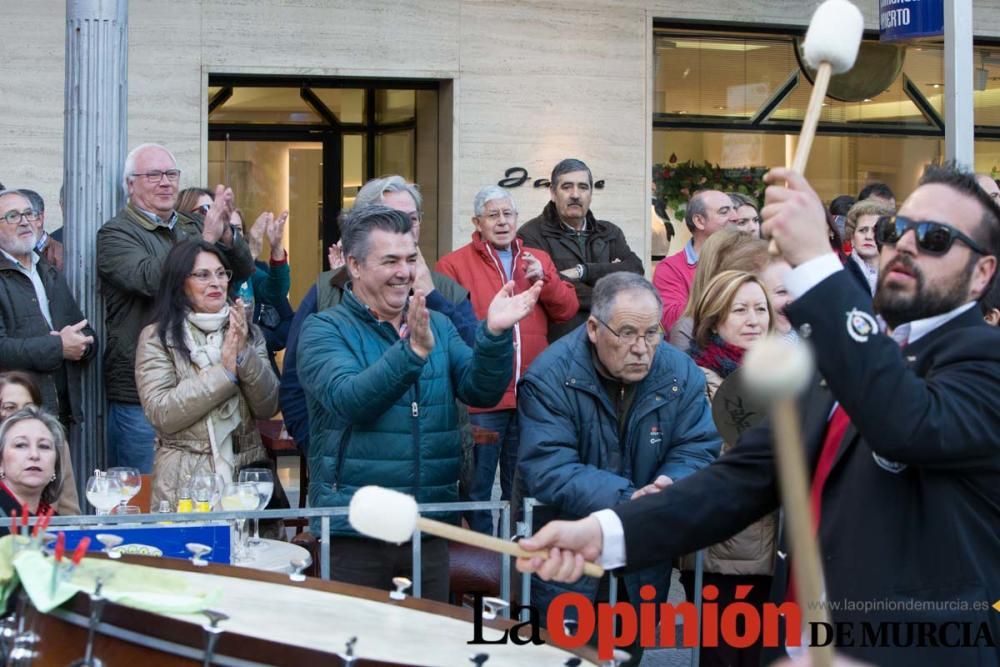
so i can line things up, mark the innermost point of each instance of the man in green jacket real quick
(381, 373)
(131, 249)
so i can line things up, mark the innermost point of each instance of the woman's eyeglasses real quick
(203, 276)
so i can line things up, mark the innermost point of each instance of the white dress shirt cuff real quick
(613, 551)
(805, 276)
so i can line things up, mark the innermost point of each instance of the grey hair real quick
(130, 162)
(50, 494)
(13, 191)
(696, 206)
(740, 199)
(607, 289)
(567, 166)
(35, 199)
(491, 193)
(357, 225)
(371, 192)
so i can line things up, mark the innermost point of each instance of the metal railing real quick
(325, 514)
(322, 514)
(525, 529)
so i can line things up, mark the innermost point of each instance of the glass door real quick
(276, 176)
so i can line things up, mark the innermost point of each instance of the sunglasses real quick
(933, 238)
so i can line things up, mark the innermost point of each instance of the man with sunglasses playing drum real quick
(902, 442)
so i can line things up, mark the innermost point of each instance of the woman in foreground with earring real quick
(30, 441)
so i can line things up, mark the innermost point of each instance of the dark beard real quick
(898, 309)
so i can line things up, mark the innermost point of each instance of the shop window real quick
(892, 107)
(347, 104)
(264, 105)
(394, 153)
(736, 101)
(718, 77)
(395, 106)
(309, 144)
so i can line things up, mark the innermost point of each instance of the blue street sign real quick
(909, 19)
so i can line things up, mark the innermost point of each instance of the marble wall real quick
(532, 81)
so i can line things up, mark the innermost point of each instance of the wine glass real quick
(206, 488)
(239, 497)
(131, 482)
(264, 479)
(104, 493)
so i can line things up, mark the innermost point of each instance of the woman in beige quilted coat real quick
(203, 375)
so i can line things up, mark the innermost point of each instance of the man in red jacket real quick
(495, 256)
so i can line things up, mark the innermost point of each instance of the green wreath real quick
(674, 182)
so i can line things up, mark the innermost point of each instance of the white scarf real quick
(204, 333)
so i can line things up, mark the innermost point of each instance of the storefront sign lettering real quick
(910, 19)
(515, 177)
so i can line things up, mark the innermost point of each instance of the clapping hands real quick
(532, 267)
(274, 229)
(236, 336)
(216, 226)
(418, 319)
(276, 236)
(507, 309)
(335, 255)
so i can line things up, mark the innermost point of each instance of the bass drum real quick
(272, 621)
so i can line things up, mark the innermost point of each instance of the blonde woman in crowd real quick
(727, 249)
(730, 317)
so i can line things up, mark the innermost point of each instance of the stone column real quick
(95, 139)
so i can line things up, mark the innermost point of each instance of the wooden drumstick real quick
(779, 370)
(830, 47)
(393, 516)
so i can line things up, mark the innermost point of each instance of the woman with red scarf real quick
(732, 315)
(30, 442)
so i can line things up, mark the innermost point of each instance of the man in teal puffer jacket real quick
(381, 373)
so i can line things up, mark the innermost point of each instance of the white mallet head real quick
(383, 514)
(777, 368)
(834, 36)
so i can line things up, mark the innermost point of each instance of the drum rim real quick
(255, 649)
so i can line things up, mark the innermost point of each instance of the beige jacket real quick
(751, 551)
(68, 502)
(177, 398)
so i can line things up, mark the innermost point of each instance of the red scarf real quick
(42, 505)
(718, 356)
